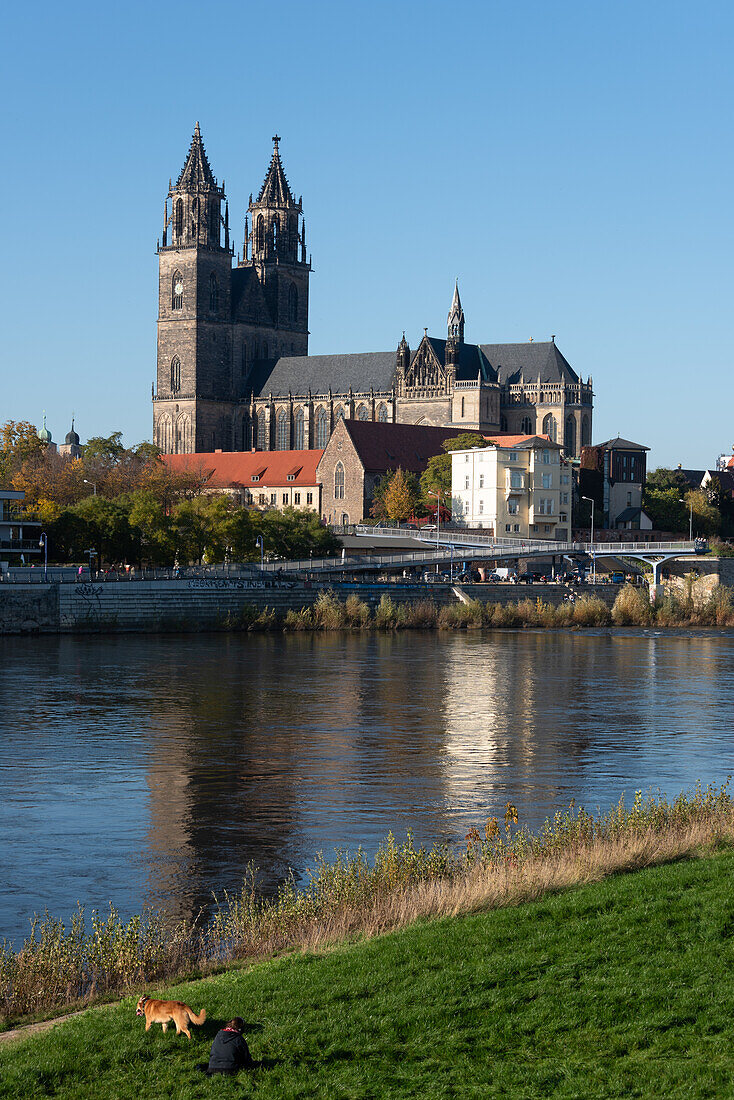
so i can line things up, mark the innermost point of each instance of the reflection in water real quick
(153, 770)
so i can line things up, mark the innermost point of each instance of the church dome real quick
(44, 435)
(72, 438)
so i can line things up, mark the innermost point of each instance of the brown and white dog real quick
(160, 1012)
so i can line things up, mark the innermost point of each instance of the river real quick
(148, 770)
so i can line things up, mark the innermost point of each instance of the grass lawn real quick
(621, 989)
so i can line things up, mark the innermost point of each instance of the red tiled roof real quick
(389, 446)
(235, 469)
(504, 439)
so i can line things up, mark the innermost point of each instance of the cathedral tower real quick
(275, 245)
(192, 403)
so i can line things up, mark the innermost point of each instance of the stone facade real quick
(233, 366)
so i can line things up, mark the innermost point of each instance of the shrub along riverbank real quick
(62, 966)
(632, 607)
(617, 989)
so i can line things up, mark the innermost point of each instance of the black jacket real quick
(229, 1052)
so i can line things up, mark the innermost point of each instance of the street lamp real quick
(690, 517)
(43, 541)
(593, 556)
(94, 486)
(259, 542)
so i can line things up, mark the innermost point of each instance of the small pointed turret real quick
(196, 202)
(456, 317)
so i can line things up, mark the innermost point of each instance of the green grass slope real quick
(621, 989)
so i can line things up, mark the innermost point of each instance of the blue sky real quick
(570, 162)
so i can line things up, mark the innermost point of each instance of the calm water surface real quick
(150, 770)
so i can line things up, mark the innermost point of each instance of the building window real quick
(363, 413)
(261, 498)
(298, 430)
(526, 426)
(339, 482)
(585, 433)
(563, 517)
(546, 481)
(549, 427)
(177, 291)
(259, 233)
(516, 527)
(462, 407)
(213, 293)
(546, 528)
(564, 498)
(309, 498)
(261, 437)
(322, 428)
(215, 223)
(481, 481)
(339, 414)
(178, 218)
(481, 507)
(382, 413)
(285, 498)
(281, 431)
(508, 527)
(466, 482)
(503, 423)
(273, 498)
(296, 498)
(292, 304)
(466, 507)
(513, 507)
(546, 458)
(175, 374)
(513, 456)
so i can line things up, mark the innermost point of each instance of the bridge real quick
(446, 546)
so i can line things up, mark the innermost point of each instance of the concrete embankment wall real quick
(218, 603)
(707, 572)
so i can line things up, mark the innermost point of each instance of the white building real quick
(517, 486)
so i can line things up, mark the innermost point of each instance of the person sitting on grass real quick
(230, 1052)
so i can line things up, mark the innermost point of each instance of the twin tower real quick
(217, 320)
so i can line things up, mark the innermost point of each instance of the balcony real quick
(20, 546)
(515, 482)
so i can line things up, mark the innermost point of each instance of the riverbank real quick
(232, 604)
(611, 990)
(62, 966)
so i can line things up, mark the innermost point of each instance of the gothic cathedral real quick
(234, 371)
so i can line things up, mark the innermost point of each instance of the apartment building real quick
(276, 479)
(518, 487)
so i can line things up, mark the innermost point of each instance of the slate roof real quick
(472, 363)
(620, 444)
(692, 477)
(275, 190)
(511, 361)
(389, 446)
(628, 514)
(234, 469)
(360, 372)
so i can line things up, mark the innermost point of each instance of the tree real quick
(18, 441)
(402, 495)
(107, 448)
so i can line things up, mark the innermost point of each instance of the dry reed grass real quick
(350, 895)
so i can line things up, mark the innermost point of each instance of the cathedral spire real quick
(276, 190)
(196, 174)
(456, 317)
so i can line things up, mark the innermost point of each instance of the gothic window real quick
(165, 434)
(281, 431)
(549, 426)
(526, 426)
(175, 374)
(178, 218)
(213, 293)
(262, 435)
(292, 304)
(382, 413)
(339, 482)
(293, 233)
(215, 224)
(462, 407)
(585, 433)
(298, 431)
(339, 413)
(322, 428)
(177, 291)
(363, 413)
(244, 442)
(274, 228)
(503, 423)
(569, 439)
(184, 435)
(259, 233)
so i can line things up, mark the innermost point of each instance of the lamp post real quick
(259, 542)
(94, 486)
(43, 541)
(593, 555)
(690, 517)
